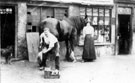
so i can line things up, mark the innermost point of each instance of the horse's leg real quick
(67, 56)
(72, 51)
(72, 45)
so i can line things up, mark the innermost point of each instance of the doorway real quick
(124, 32)
(7, 25)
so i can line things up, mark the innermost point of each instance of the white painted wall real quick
(74, 10)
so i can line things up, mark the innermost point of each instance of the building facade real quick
(13, 22)
(27, 14)
(106, 17)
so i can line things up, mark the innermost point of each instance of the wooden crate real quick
(48, 75)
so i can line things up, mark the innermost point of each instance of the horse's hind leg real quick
(72, 51)
(68, 50)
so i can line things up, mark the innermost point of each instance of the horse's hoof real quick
(41, 68)
(70, 60)
(74, 61)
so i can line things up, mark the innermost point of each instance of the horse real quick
(68, 30)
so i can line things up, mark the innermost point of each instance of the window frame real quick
(105, 9)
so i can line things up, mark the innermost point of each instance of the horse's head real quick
(78, 23)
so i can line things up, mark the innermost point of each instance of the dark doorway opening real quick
(124, 34)
(7, 25)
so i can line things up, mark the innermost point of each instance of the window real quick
(47, 12)
(37, 14)
(60, 12)
(6, 10)
(101, 21)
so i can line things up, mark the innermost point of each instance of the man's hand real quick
(44, 50)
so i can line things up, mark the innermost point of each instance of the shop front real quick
(125, 26)
(102, 15)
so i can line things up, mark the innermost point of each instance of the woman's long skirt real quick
(88, 49)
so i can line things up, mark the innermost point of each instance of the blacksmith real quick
(50, 48)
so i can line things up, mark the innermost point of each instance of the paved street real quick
(106, 69)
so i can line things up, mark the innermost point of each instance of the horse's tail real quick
(58, 27)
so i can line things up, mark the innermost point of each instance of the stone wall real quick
(22, 19)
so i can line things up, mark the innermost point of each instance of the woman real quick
(88, 49)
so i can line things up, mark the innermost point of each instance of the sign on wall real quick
(124, 10)
(98, 2)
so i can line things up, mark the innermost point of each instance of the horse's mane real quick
(78, 23)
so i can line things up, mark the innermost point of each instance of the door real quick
(7, 25)
(124, 32)
(33, 44)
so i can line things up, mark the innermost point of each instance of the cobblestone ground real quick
(106, 69)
